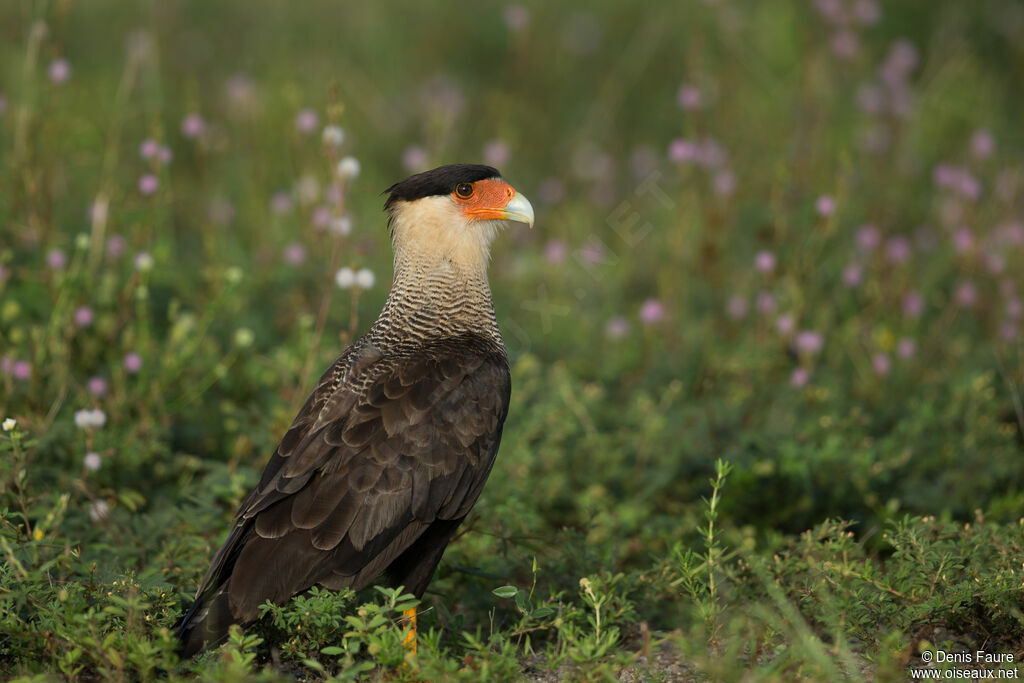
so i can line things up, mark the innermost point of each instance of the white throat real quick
(432, 232)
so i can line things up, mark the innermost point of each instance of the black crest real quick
(439, 181)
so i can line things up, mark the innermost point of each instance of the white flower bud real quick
(348, 168)
(333, 136)
(92, 461)
(9, 424)
(100, 510)
(345, 277)
(341, 225)
(90, 418)
(364, 278)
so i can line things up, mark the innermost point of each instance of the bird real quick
(393, 446)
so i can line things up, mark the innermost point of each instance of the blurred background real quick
(784, 234)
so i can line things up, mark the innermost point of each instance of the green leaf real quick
(332, 650)
(313, 664)
(505, 591)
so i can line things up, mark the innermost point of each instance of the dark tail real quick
(205, 624)
(207, 621)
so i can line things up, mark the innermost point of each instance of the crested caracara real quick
(393, 447)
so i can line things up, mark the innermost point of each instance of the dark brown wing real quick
(386, 449)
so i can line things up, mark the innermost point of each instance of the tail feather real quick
(206, 623)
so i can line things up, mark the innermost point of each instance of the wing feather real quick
(385, 447)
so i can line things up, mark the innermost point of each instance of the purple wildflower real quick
(982, 144)
(945, 175)
(710, 153)
(766, 303)
(994, 263)
(83, 316)
(868, 237)
(192, 126)
(148, 184)
(724, 183)
(831, 11)
(853, 274)
(764, 261)
(1014, 308)
(97, 386)
(496, 153)
(963, 240)
(551, 191)
(800, 377)
(913, 304)
(556, 251)
(149, 148)
(1011, 233)
(881, 364)
(845, 44)
(966, 295)
(809, 342)
(736, 307)
(968, 186)
(591, 253)
(785, 324)
(281, 202)
(306, 121)
(682, 151)
(415, 158)
(59, 71)
(866, 12)
(56, 259)
(115, 246)
(295, 254)
(906, 348)
(825, 205)
(321, 217)
(132, 362)
(616, 328)
(21, 370)
(901, 60)
(689, 97)
(652, 311)
(897, 250)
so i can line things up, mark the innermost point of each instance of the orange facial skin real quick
(488, 200)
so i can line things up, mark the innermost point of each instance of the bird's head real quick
(453, 213)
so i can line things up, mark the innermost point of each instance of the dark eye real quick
(464, 190)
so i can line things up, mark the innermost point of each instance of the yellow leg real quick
(410, 637)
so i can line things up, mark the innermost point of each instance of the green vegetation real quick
(766, 337)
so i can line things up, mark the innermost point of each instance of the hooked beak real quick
(519, 210)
